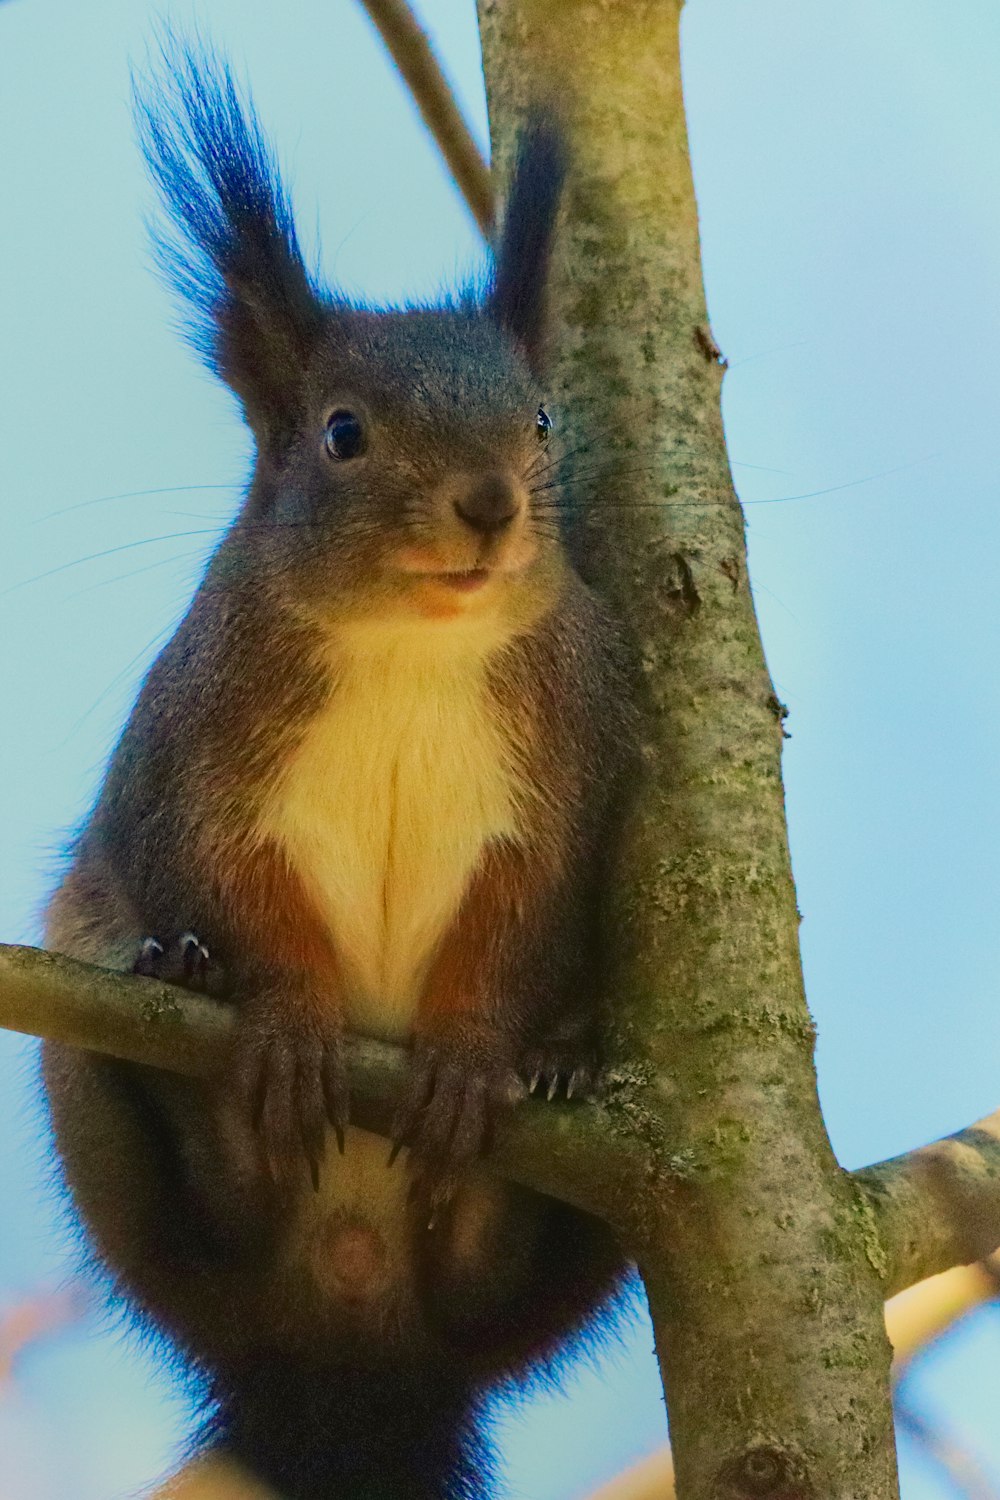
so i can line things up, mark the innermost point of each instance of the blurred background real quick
(846, 158)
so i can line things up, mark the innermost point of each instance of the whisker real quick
(748, 359)
(150, 645)
(657, 505)
(606, 468)
(618, 474)
(849, 485)
(551, 495)
(168, 489)
(162, 562)
(546, 462)
(755, 585)
(77, 562)
(739, 463)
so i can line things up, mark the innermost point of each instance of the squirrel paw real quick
(185, 962)
(456, 1092)
(291, 1081)
(554, 1068)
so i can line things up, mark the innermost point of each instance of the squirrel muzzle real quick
(477, 530)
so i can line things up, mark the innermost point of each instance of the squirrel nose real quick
(490, 505)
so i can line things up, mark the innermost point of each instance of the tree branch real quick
(411, 51)
(211, 1477)
(931, 1209)
(934, 1207)
(938, 1206)
(584, 1154)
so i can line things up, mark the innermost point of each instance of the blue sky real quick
(846, 164)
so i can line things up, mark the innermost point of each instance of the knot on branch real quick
(679, 589)
(766, 1471)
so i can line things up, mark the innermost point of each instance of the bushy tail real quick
(332, 1433)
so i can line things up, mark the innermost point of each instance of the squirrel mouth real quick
(465, 580)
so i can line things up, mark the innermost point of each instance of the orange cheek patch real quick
(416, 559)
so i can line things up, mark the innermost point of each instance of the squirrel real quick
(369, 784)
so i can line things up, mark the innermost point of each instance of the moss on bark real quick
(761, 1262)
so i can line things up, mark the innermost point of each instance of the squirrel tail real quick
(328, 1432)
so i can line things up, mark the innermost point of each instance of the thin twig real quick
(410, 49)
(917, 1318)
(212, 1477)
(40, 1316)
(650, 1479)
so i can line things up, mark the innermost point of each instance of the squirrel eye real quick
(543, 425)
(345, 436)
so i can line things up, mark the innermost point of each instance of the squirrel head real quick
(401, 455)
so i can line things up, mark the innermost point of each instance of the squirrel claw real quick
(452, 1103)
(292, 1085)
(194, 958)
(185, 962)
(549, 1069)
(150, 954)
(580, 1081)
(430, 1194)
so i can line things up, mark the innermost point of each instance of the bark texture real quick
(761, 1259)
(938, 1206)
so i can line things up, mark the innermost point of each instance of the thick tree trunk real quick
(761, 1260)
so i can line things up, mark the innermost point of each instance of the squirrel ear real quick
(518, 300)
(236, 258)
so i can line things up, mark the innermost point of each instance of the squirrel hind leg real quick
(89, 917)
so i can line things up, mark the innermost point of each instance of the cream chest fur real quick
(388, 801)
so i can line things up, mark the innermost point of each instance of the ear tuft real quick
(234, 256)
(518, 301)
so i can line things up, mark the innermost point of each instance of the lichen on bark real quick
(761, 1264)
